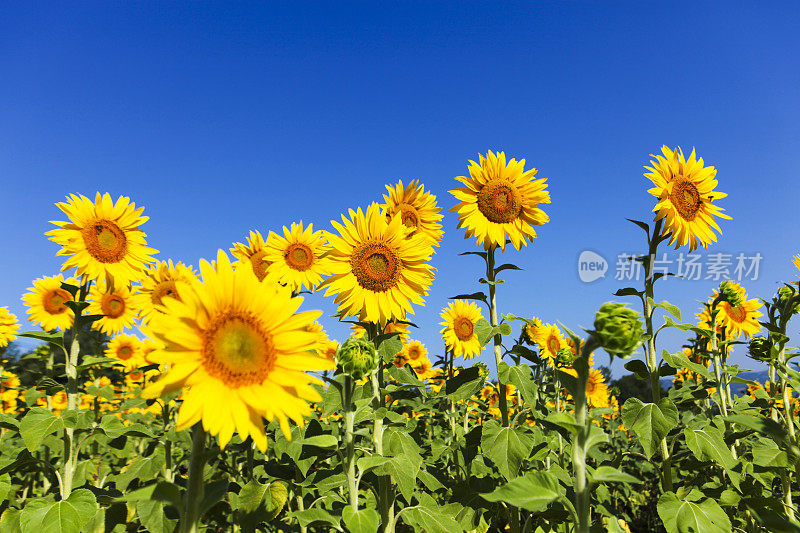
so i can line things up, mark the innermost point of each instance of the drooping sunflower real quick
(550, 341)
(240, 350)
(500, 201)
(460, 317)
(103, 239)
(159, 282)
(298, 258)
(127, 350)
(742, 319)
(117, 304)
(685, 192)
(417, 209)
(46, 301)
(8, 327)
(377, 272)
(252, 254)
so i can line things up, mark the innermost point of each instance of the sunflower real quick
(116, 304)
(415, 353)
(102, 238)
(158, 282)
(459, 332)
(297, 259)
(8, 327)
(500, 201)
(596, 388)
(529, 330)
(685, 192)
(550, 341)
(9, 386)
(377, 272)
(742, 319)
(252, 254)
(401, 328)
(46, 301)
(417, 209)
(240, 350)
(127, 350)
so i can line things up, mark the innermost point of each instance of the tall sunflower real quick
(252, 254)
(500, 201)
(298, 258)
(377, 272)
(46, 302)
(550, 341)
(685, 192)
(127, 350)
(417, 209)
(8, 327)
(159, 282)
(117, 304)
(102, 238)
(459, 333)
(240, 350)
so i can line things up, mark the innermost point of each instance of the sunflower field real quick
(166, 397)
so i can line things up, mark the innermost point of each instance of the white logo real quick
(591, 266)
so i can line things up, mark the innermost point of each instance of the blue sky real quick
(220, 118)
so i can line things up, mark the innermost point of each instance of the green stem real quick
(349, 443)
(579, 445)
(70, 448)
(194, 490)
(498, 355)
(786, 475)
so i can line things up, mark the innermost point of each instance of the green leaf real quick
(37, 424)
(533, 491)
(708, 444)
(321, 441)
(365, 464)
(389, 349)
(464, 384)
(506, 447)
(56, 338)
(769, 455)
(666, 306)
(432, 518)
(361, 521)
(680, 360)
(639, 368)
(479, 296)
(213, 492)
(521, 377)
(650, 422)
(687, 327)
(507, 266)
(65, 516)
(5, 486)
(564, 420)
(681, 516)
(628, 291)
(9, 422)
(405, 375)
(483, 330)
(604, 474)
(309, 516)
(162, 491)
(9, 521)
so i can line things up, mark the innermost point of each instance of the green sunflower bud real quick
(728, 293)
(760, 348)
(357, 357)
(483, 371)
(618, 329)
(565, 358)
(784, 295)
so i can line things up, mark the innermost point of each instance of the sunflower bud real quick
(483, 371)
(357, 357)
(784, 295)
(760, 348)
(565, 358)
(728, 293)
(618, 329)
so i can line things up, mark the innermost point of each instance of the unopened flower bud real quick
(357, 357)
(618, 329)
(760, 348)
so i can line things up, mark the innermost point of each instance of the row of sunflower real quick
(292, 430)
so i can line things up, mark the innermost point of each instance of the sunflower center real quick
(500, 201)
(553, 345)
(259, 264)
(54, 301)
(105, 241)
(299, 256)
(113, 306)
(163, 290)
(124, 352)
(237, 351)
(400, 360)
(409, 215)
(738, 313)
(375, 266)
(463, 328)
(686, 199)
(413, 353)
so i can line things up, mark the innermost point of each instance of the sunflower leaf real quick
(56, 338)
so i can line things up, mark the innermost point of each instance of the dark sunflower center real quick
(165, 289)
(686, 199)
(409, 215)
(105, 241)
(54, 301)
(553, 345)
(259, 264)
(299, 256)
(413, 353)
(500, 201)
(237, 351)
(400, 360)
(113, 306)
(738, 313)
(375, 266)
(463, 328)
(124, 352)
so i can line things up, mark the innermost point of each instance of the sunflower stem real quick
(579, 444)
(194, 490)
(349, 417)
(71, 370)
(498, 356)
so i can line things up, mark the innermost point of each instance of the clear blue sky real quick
(222, 118)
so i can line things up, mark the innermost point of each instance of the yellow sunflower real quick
(297, 259)
(46, 301)
(796, 262)
(103, 238)
(158, 282)
(500, 201)
(550, 341)
(240, 350)
(377, 272)
(415, 353)
(401, 328)
(459, 333)
(596, 389)
(742, 319)
(685, 192)
(127, 350)
(8, 327)
(417, 208)
(529, 330)
(117, 305)
(252, 254)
